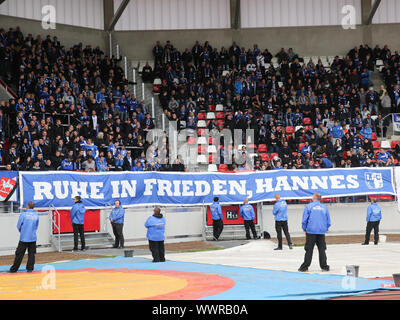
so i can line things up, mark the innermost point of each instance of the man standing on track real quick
(28, 223)
(155, 234)
(281, 221)
(316, 222)
(247, 213)
(117, 222)
(78, 218)
(217, 217)
(374, 217)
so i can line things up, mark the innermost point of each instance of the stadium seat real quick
(262, 148)
(202, 140)
(252, 147)
(289, 129)
(373, 136)
(202, 124)
(201, 116)
(376, 144)
(210, 115)
(223, 167)
(201, 158)
(307, 121)
(394, 143)
(201, 132)
(211, 108)
(219, 108)
(301, 145)
(212, 168)
(201, 149)
(264, 156)
(212, 149)
(220, 115)
(385, 144)
(225, 72)
(157, 82)
(272, 155)
(212, 158)
(212, 140)
(379, 63)
(192, 140)
(221, 123)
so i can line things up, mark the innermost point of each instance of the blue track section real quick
(250, 283)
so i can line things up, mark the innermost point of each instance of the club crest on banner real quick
(374, 180)
(6, 186)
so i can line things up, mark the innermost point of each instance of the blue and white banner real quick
(8, 186)
(163, 188)
(396, 122)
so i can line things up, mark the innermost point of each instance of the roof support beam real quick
(117, 15)
(371, 15)
(235, 14)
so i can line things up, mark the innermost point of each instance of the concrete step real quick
(236, 232)
(93, 240)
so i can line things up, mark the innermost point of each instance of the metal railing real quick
(142, 91)
(106, 216)
(54, 212)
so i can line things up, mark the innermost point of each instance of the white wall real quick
(345, 218)
(82, 13)
(174, 14)
(388, 12)
(290, 13)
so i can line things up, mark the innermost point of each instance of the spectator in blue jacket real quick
(78, 218)
(337, 131)
(117, 222)
(374, 217)
(27, 225)
(281, 221)
(217, 217)
(366, 132)
(155, 234)
(247, 213)
(316, 222)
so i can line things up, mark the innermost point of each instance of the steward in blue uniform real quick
(217, 217)
(117, 222)
(247, 213)
(28, 223)
(78, 218)
(155, 233)
(374, 217)
(316, 222)
(281, 221)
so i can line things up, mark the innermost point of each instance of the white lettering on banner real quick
(335, 180)
(218, 185)
(79, 189)
(164, 187)
(237, 187)
(299, 181)
(281, 182)
(128, 187)
(148, 191)
(317, 183)
(42, 189)
(115, 189)
(353, 183)
(200, 192)
(177, 184)
(94, 190)
(264, 185)
(57, 189)
(186, 184)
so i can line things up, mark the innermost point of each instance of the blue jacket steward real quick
(280, 210)
(247, 212)
(316, 219)
(78, 213)
(216, 211)
(374, 213)
(117, 214)
(28, 223)
(155, 227)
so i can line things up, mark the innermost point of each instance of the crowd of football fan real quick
(303, 115)
(108, 126)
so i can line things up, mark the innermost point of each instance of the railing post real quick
(117, 51)
(142, 91)
(126, 67)
(111, 47)
(163, 122)
(152, 108)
